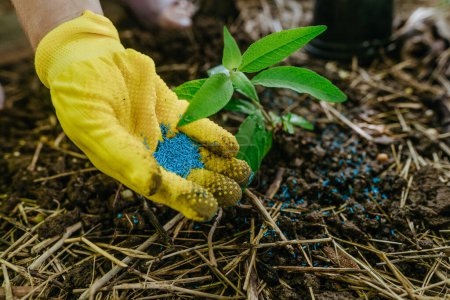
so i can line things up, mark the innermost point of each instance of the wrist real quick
(82, 39)
(39, 17)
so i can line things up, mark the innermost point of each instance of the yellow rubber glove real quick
(109, 99)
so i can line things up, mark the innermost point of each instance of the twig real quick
(405, 126)
(444, 148)
(21, 240)
(441, 145)
(400, 277)
(65, 151)
(116, 196)
(126, 251)
(428, 287)
(34, 160)
(413, 154)
(385, 242)
(418, 251)
(219, 274)
(155, 222)
(347, 122)
(405, 192)
(44, 244)
(371, 272)
(318, 269)
(311, 292)
(275, 186)
(291, 242)
(431, 272)
(99, 283)
(41, 259)
(65, 174)
(251, 288)
(17, 291)
(103, 252)
(7, 284)
(248, 276)
(257, 203)
(23, 246)
(59, 139)
(18, 269)
(212, 258)
(172, 288)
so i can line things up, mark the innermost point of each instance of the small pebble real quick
(429, 113)
(343, 74)
(382, 157)
(127, 194)
(298, 162)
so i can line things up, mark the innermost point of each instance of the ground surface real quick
(363, 199)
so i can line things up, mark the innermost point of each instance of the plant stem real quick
(264, 112)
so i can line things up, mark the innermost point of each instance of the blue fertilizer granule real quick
(178, 154)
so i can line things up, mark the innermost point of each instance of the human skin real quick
(38, 17)
(169, 14)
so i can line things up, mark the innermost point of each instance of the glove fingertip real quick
(187, 197)
(213, 137)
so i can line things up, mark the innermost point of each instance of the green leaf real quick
(290, 120)
(187, 90)
(210, 98)
(277, 46)
(243, 85)
(220, 69)
(276, 119)
(241, 106)
(254, 140)
(300, 122)
(287, 126)
(300, 80)
(268, 142)
(231, 54)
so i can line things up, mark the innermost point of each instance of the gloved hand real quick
(109, 99)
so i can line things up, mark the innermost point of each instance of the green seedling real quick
(209, 95)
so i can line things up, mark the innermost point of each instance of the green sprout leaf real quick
(187, 90)
(219, 69)
(290, 120)
(241, 106)
(287, 126)
(214, 94)
(276, 119)
(254, 140)
(231, 54)
(267, 144)
(302, 81)
(277, 46)
(243, 85)
(300, 122)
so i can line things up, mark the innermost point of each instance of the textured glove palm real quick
(109, 99)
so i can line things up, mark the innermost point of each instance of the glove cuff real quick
(83, 38)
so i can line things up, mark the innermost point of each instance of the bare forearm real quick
(38, 17)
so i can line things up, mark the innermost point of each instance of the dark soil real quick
(335, 183)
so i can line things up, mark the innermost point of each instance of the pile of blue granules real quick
(178, 154)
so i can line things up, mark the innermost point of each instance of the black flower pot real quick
(355, 28)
